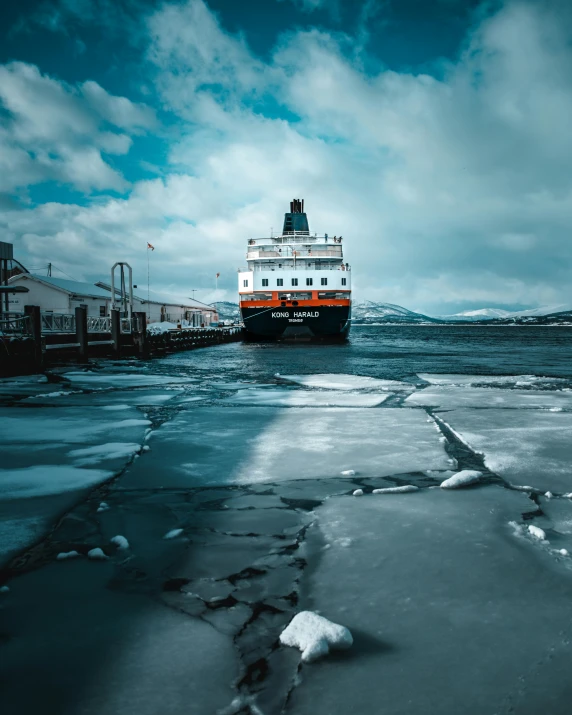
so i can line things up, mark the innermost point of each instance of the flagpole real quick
(216, 282)
(148, 306)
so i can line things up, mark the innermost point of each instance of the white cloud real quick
(446, 190)
(51, 131)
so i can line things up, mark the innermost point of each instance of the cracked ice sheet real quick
(445, 579)
(55, 454)
(516, 380)
(303, 398)
(210, 446)
(104, 398)
(449, 397)
(346, 382)
(525, 447)
(102, 651)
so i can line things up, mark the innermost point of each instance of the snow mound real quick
(348, 473)
(120, 541)
(397, 490)
(315, 636)
(537, 532)
(563, 552)
(358, 493)
(461, 479)
(104, 506)
(65, 555)
(173, 534)
(96, 554)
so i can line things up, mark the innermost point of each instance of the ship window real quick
(102, 311)
(245, 284)
(309, 281)
(294, 281)
(343, 281)
(265, 281)
(324, 281)
(279, 281)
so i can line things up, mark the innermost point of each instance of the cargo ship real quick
(296, 286)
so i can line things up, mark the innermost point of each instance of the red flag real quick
(218, 275)
(150, 246)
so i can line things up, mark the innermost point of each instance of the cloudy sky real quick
(435, 135)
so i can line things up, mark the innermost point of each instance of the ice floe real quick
(347, 382)
(348, 473)
(519, 380)
(462, 479)
(104, 506)
(44, 480)
(123, 380)
(4, 589)
(315, 636)
(450, 397)
(210, 445)
(523, 446)
(305, 398)
(357, 493)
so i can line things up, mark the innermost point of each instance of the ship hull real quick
(312, 323)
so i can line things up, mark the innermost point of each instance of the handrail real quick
(13, 323)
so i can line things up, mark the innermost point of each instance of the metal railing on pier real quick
(13, 323)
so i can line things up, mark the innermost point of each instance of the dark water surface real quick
(395, 352)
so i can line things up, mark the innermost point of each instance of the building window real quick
(102, 311)
(324, 281)
(294, 281)
(245, 284)
(309, 281)
(343, 281)
(279, 281)
(264, 282)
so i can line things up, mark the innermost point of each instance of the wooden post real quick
(81, 333)
(116, 331)
(140, 337)
(35, 320)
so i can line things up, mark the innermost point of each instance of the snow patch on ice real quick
(65, 555)
(104, 506)
(315, 636)
(537, 532)
(173, 534)
(121, 542)
(348, 473)
(461, 479)
(4, 589)
(397, 490)
(96, 554)
(358, 493)
(563, 552)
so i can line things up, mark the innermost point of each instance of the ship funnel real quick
(296, 220)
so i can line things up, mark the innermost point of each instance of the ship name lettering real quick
(304, 314)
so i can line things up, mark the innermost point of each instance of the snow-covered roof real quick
(68, 286)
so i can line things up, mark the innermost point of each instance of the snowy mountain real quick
(499, 313)
(367, 312)
(227, 310)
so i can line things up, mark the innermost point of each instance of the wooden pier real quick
(31, 341)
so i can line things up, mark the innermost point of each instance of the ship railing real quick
(304, 267)
(98, 324)
(288, 252)
(296, 237)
